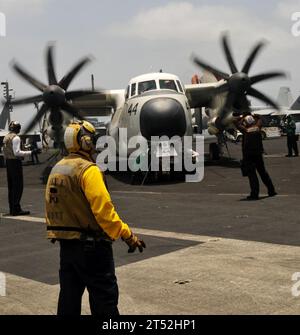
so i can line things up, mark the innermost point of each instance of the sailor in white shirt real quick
(13, 157)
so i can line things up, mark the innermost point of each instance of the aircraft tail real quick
(284, 98)
(296, 104)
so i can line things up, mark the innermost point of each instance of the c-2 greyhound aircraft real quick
(154, 104)
(158, 104)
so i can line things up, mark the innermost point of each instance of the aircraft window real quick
(179, 86)
(146, 86)
(133, 89)
(167, 84)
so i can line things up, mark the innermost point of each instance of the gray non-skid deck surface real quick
(233, 256)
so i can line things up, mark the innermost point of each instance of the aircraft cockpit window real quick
(133, 90)
(146, 86)
(167, 84)
(179, 86)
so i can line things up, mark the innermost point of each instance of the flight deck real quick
(209, 251)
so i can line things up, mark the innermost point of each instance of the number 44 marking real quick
(132, 109)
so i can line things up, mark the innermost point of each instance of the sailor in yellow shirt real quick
(81, 216)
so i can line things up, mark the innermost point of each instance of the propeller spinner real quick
(238, 84)
(55, 95)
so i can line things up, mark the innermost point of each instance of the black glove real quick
(134, 242)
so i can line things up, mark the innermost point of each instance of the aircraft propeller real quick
(238, 84)
(55, 96)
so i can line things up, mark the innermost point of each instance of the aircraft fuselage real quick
(157, 111)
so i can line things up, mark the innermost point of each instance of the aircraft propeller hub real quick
(239, 82)
(54, 95)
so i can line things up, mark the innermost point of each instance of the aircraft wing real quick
(198, 95)
(202, 95)
(101, 101)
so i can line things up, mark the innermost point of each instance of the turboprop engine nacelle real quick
(212, 128)
(52, 134)
(215, 126)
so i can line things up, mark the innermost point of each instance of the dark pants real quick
(87, 265)
(14, 171)
(292, 145)
(256, 163)
(34, 157)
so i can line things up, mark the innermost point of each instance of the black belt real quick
(62, 228)
(85, 234)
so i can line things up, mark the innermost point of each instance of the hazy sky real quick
(131, 37)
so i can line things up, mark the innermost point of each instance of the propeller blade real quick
(256, 94)
(71, 110)
(4, 116)
(57, 134)
(50, 66)
(252, 57)
(36, 119)
(228, 54)
(77, 94)
(28, 77)
(29, 100)
(66, 80)
(265, 76)
(209, 68)
(242, 104)
(56, 119)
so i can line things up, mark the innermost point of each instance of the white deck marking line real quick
(187, 194)
(141, 231)
(275, 155)
(246, 194)
(163, 234)
(23, 218)
(42, 188)
(152, 193)
(178, 236)
(137, 192)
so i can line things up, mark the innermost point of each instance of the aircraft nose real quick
(162, 116)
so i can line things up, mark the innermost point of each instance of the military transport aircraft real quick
(153, 104)
(157, 104)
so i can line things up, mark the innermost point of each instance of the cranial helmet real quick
(249, 120)
(80, 136)
(14, 126)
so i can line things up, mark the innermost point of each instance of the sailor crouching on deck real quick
(81, 216)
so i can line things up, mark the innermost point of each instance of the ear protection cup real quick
(78, 136)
